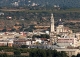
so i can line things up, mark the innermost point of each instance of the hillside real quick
(61, 3)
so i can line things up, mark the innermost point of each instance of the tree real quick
(45, 36)
(17, 52)
(24, 46)
(78, 55)
(73, 56)
(63, 54)
(46, 53)
(4, 55)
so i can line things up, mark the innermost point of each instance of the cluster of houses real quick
(25, 38)
(62, 36)
(17, 39)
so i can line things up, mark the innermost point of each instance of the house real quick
(67, 42)
(18, 42)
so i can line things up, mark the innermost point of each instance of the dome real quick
(60, 22)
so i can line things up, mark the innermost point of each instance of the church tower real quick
(52, 30)
(52, 24)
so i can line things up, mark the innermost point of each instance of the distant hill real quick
(61, 3)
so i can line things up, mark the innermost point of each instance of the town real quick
(58, 37)
(39, 28)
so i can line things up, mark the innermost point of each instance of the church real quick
(60, 28)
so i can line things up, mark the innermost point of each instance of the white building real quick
(67, 42)
(38, 40)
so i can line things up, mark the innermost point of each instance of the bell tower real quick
(52, 23)
(52, 31)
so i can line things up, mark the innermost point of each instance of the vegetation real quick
(39, 16)
(32, 52)
(41, 36)
(78, 55)
(24, 3)
(17, 52)
(46, 53)
(3, 55)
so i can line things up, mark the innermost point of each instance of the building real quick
(70, 52)
(7, 42)
(61, 29)
(52, 30)
(65, 42)
(19, 42)
(78, 35)
(52, 24)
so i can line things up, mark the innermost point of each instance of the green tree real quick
(24, 46)
(4, 55)
(73, 56)
(17, 52)
(45, 36)
(78, 55)
(46, 53)
(63, 54)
